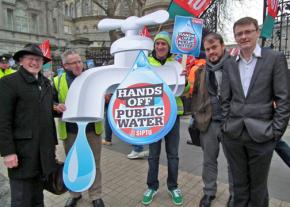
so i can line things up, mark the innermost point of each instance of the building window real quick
(78, 30)
(21, 21)
(34, 23)
(105, 3)
(9, 19)
(54, 22)
(72, 11)
(66, 10)
(86, 30)
(78, 9)
(66, 29)
(86, 8)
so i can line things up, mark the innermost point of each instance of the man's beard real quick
(215, 62)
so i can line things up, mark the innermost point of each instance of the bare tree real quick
(228, 13)
(134, 8)
(111, 9)
(217, 16)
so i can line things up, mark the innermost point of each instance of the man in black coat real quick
(207, 112)
(252, 82)
(27, 130)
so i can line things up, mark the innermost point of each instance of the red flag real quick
(195, 7)
(144, 32)
(273, 7)
(45, 48)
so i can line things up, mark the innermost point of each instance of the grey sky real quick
(236, 10)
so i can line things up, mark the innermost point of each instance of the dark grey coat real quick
(26, 124)
(256, 111)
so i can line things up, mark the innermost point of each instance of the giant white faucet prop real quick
(85, 98)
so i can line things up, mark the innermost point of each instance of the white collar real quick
(256, 53)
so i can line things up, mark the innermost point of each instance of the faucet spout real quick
(85, 98)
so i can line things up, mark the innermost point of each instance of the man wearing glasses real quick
(27, 130)
(251, 126)
(73, 65)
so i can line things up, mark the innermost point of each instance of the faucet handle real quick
(110, 24)
(157, 17)
(133, 22)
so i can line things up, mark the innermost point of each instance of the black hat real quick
(5, 58)
(30, 49)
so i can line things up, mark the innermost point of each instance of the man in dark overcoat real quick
(27, 130)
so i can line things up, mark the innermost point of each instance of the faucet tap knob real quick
(134, 23)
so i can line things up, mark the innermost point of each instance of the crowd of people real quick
(240, 103)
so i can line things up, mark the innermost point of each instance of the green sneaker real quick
(176, 196)
(148, 196)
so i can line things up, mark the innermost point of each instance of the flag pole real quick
(184, 60)
(160, 26)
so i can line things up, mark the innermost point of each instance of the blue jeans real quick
(138, 148)
(283, 150)
(171, 146)
(108, 130)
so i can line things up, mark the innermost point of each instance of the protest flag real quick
(45, 48)
(273, 7)
(145, 32)
(269, 21)
(188, 7)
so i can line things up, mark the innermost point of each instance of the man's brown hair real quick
(212, 36)
(246, 21)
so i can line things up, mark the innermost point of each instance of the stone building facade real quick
(80, 26)
(65, 23)
(68, 24)
(32, 21)
(154, 5)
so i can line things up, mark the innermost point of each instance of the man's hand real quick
(60, 108)
(11, 161)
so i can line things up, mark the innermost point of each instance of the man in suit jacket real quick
(27, 130)
(252, 82)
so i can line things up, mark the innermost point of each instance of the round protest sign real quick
(143, 109)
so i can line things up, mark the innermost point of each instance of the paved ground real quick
(191, 161)
(124, 180)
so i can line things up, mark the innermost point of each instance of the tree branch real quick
(101, 6)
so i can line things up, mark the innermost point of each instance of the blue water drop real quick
(141, 62)
(142, 109)
(79, 170)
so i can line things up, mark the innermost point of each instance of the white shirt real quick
(247, 68)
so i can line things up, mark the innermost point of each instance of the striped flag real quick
(188, 7)
(273, 7)
(145, 32)
(45, 48)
